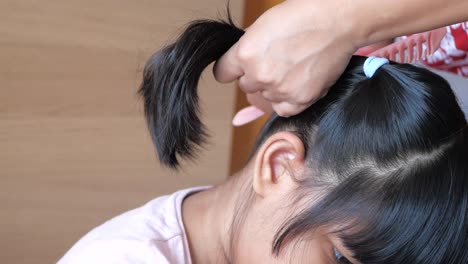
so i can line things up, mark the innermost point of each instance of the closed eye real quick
(340, 259)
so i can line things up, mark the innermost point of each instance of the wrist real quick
(339, 19)
(351, 24)
(374, 21)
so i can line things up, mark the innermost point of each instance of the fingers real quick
(261, 106)
(286, 109)
(257, 100)
(231, 67)
(252, 113)
(228, 68)
(249, 86)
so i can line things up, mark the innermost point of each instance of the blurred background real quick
(74, 148)
(74, 145)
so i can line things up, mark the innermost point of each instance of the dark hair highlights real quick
(169, 87)
(391, 151)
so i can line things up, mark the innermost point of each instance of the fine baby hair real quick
(389, 151)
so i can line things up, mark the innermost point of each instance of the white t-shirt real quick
(153, 233)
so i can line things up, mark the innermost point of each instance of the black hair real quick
(391, 150)
(169, 87)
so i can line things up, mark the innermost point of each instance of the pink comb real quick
(413, 48)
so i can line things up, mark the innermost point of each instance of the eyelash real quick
(340, 259)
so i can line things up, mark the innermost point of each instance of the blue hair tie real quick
(372, 64)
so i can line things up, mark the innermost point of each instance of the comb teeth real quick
(413, 48)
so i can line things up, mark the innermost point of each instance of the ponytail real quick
(169, 87)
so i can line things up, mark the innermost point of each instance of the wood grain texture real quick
(244, 137)
(74, 149)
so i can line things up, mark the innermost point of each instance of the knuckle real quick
(259, 71)
(306, 96)
(247, 85)
(283, 90)
(265, 75)
(245, 52)
(282, 111)
(287, 109)
(303, 100)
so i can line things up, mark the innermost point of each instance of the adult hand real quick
(291, 55)
(367, 50)
(260, 106)
(297, 49)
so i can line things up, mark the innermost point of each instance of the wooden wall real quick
(74, 150)
(244, 137)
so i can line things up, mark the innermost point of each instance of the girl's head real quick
(377, 170)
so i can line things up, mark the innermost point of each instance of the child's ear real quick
(276, 161)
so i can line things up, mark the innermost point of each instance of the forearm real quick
(374, 21)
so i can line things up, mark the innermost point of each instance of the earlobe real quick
(281, 155)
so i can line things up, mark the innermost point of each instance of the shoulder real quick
(152, 233)
(117, 251)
